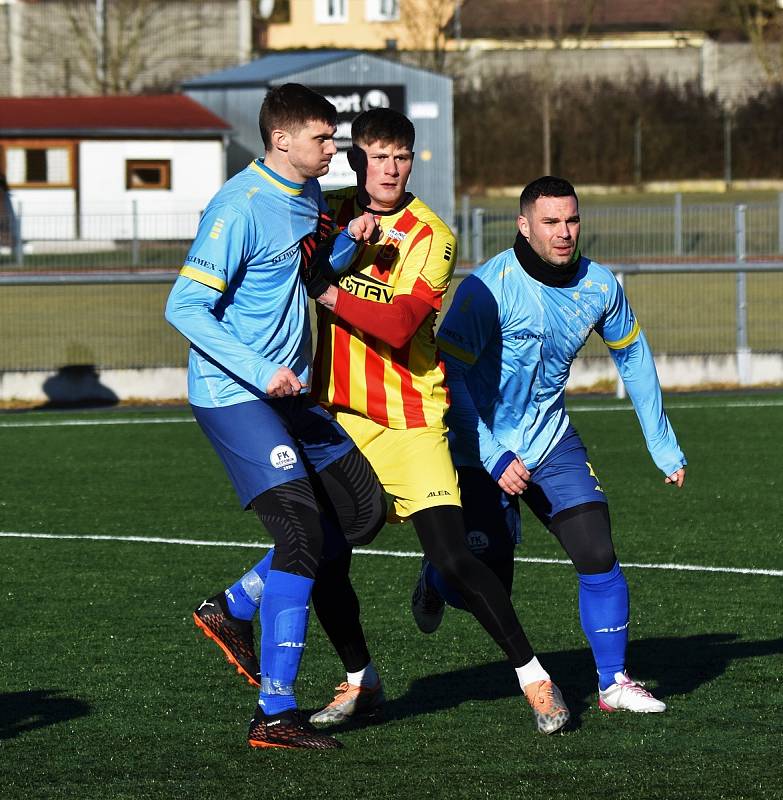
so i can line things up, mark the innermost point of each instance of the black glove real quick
(316, 272)
(321, 233)
(315, 249)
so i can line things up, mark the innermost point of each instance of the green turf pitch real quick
(107, 691)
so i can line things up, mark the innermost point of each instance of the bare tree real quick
(757, 22)
(762, 23)
(125, 46)
(551, 23)
(113, 40)
(426, 24)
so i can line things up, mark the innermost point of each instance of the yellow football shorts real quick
(413, 465)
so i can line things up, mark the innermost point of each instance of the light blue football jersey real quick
(239, 298)
(508, 342)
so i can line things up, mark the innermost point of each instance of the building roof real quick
(269, 68)
(171, 115)
(531, 18)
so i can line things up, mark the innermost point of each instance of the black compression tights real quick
(291, 512)
(291, 515)
(585, 533)
(337, 607)
(441, 531)
(350, 486)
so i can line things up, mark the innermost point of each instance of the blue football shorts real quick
(563, 480)
(266, 443)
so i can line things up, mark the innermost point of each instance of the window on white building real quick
(327, 11)
(382, 10)
(41, 164)
(148, 174)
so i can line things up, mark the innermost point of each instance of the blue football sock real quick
(284, 614)
(438, 582)
(244, 596)
(604, 612)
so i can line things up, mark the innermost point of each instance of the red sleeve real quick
(394, 324)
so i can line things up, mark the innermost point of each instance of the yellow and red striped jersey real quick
(396, 387)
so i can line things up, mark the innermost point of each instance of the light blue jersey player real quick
(241, 301)
(247, 249)
(244, 265)
(509, 339)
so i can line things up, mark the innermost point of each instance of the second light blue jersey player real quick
(511, 340)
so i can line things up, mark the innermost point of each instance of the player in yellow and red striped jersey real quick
(378, 371)
(393, 378)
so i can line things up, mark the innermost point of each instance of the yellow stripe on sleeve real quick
(457, 352)
(203, 277)
(626, 340)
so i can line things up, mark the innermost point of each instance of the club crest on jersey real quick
(388, 251)
(282, 457)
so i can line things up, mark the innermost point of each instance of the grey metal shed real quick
(354, 81)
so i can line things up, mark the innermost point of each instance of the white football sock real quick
(531, 672)
(364, 677)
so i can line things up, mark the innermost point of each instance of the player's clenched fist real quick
(677, 478)
(515, 477)
(363, 228)
(284, 383)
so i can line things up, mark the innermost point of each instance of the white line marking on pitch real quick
(676, 406)
(79, 422)
(64, 423)
(778, 573)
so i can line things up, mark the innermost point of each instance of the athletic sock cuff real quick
(601, 577)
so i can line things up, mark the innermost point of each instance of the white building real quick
(110, 168)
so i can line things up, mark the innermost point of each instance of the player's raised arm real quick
(325, 255)
(394, 323)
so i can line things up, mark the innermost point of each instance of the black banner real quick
(352, 100)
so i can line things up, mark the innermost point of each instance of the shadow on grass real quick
(26, 711)
(673, 665)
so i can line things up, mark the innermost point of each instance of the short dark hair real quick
(290, 107)
(546, 186)
(383, 125)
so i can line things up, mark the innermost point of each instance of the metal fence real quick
(36, 240)
(704, 280)
(109, 320)
(620, 234)
(41, 229)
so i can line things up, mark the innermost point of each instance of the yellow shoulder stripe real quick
(457, 352)
(203, 277)
(626, 340)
